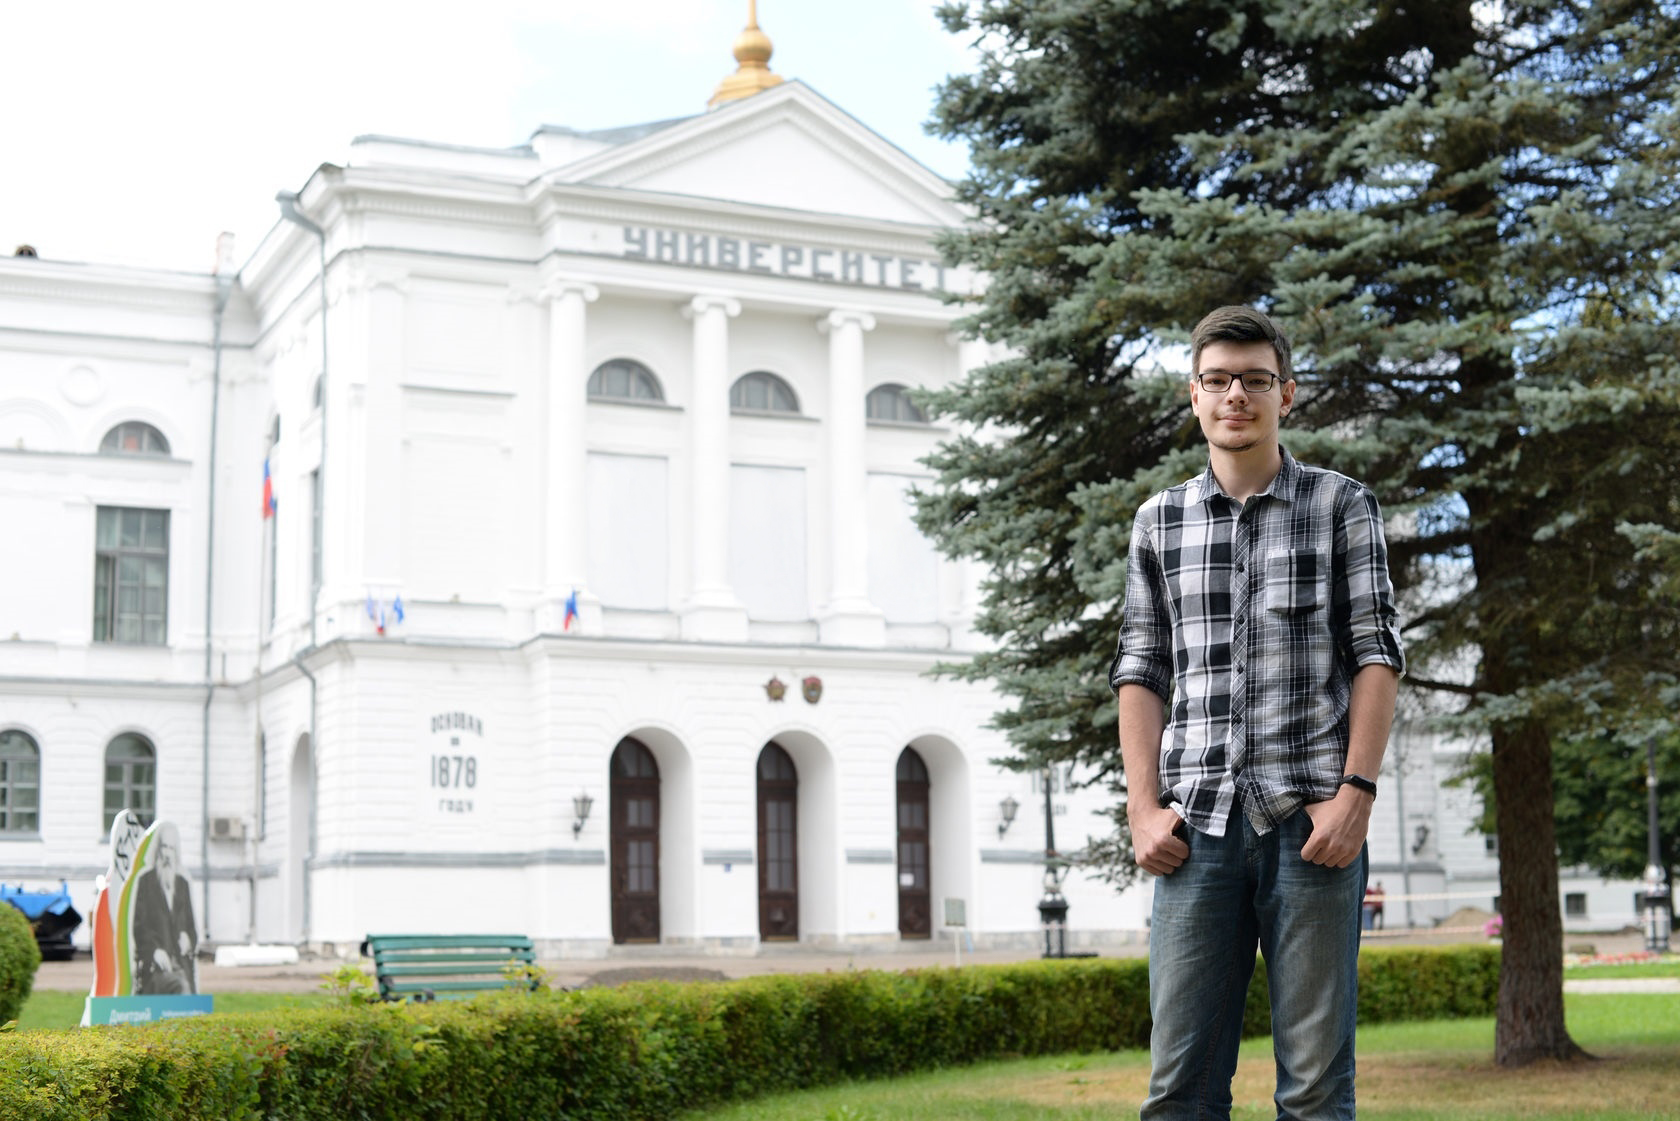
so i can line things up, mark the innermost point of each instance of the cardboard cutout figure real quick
(145, 939)
(126, 834)
(163, 938)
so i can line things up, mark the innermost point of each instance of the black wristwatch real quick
(1360, 782)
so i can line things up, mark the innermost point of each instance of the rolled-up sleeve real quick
(1367, 620)
(1144, 654)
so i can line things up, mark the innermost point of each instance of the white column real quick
(849, 619)
(381, 436)
(711, 612)
(565, 504)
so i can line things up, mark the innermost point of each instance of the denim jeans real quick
(1234, 893)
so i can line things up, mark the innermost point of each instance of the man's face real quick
(1238, 420)
(168, 860)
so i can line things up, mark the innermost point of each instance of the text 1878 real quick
(455, 771)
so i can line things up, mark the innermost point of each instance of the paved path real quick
(1624, 985)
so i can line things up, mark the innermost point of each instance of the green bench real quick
(425, 967)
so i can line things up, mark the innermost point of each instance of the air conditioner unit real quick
(227, 829)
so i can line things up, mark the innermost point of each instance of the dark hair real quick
(1238, 324)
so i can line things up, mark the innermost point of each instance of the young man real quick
(1258, 662)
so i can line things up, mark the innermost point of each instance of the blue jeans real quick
(1234, 893)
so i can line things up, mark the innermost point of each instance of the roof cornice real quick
(147, 289)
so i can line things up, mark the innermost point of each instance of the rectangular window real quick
(629, 560)
(1575, 905)
(903, 566)
(131, 576)
(767, 542)
(314, 538)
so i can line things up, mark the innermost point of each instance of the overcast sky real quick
(134, 133)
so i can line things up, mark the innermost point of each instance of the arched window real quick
(134, 437)
(892, 402)
(20, 783)
(763, 392)
(624, 379)
(130, 778)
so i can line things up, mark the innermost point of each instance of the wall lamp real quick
(1420, 838)
(581, 805)
(1007, 808)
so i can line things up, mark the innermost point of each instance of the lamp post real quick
(1053, 907)
(1657, 914)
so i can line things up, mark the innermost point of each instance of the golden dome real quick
(752, 52)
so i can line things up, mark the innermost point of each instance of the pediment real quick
(788, 148)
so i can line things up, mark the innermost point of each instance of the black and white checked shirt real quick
(1250, 620)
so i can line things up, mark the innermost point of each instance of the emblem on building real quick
(775, 688)
(811, 687)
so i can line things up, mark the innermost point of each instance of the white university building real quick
(589, 605)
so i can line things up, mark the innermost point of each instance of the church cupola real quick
(752, 53)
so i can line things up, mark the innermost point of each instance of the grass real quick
(1434, 1071)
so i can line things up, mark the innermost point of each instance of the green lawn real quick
(1434, 1071)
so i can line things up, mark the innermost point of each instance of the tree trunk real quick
(1530, 1021)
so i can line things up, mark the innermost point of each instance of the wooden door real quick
(778, 845)
(634, 828)
(915, 906)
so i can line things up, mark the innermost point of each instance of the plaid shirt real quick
(1250, 620)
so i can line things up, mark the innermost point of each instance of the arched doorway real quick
(300, 839)
(915, 907)
(634, 826)
(778, 845)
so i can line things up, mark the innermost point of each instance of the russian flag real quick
(571, 611)
(269, 505)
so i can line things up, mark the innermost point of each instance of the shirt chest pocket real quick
(1294, 580)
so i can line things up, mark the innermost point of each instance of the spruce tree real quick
(1466, 217)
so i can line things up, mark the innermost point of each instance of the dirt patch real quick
(1634, 1080)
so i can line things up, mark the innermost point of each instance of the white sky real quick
(134, 133)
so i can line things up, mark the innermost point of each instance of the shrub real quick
(19, 958)
(641, 1051)
(1425, 984)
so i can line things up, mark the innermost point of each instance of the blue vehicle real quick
(51, 915)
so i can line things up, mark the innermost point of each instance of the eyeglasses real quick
(1253, 381)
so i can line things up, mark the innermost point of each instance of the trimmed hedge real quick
(20, 957)
(641, 1051)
